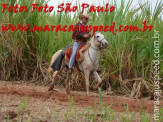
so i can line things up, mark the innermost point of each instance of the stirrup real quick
(70, 70)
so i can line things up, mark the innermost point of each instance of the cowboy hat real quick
(85, 15)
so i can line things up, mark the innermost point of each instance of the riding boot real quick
(70, 70)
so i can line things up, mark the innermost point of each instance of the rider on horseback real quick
(79, 37)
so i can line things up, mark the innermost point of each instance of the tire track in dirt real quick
(60, 97)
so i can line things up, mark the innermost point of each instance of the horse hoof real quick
(87, 94)
(94, 88)
(50, 88)
(68, 92)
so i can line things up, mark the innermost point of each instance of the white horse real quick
(89, 64)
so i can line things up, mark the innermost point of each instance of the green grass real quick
(130, 116)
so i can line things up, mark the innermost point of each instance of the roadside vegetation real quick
(126, 64)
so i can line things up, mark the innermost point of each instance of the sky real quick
(96, 2)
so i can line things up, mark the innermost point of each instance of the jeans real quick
(76, 45)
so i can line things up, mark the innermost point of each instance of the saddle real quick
(79, 55)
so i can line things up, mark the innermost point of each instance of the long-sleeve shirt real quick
(79, 31)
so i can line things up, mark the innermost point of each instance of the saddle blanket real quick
(68, 52)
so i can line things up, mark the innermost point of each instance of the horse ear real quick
(95, 33)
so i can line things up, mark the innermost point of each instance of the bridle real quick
(98, 46)
(95, 49)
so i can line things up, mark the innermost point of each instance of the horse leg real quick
(68, 83)
(54, 77)
(96, 76)
(87, 73)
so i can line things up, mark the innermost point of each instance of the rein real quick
(94, 49)
(91, 59)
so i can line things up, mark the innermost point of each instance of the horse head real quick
(100, 41)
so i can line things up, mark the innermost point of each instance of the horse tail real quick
(54, 57)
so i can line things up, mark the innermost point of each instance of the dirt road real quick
(60, 97)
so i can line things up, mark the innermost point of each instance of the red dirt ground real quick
(61, 98)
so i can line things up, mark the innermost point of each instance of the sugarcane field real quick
(81, 61)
